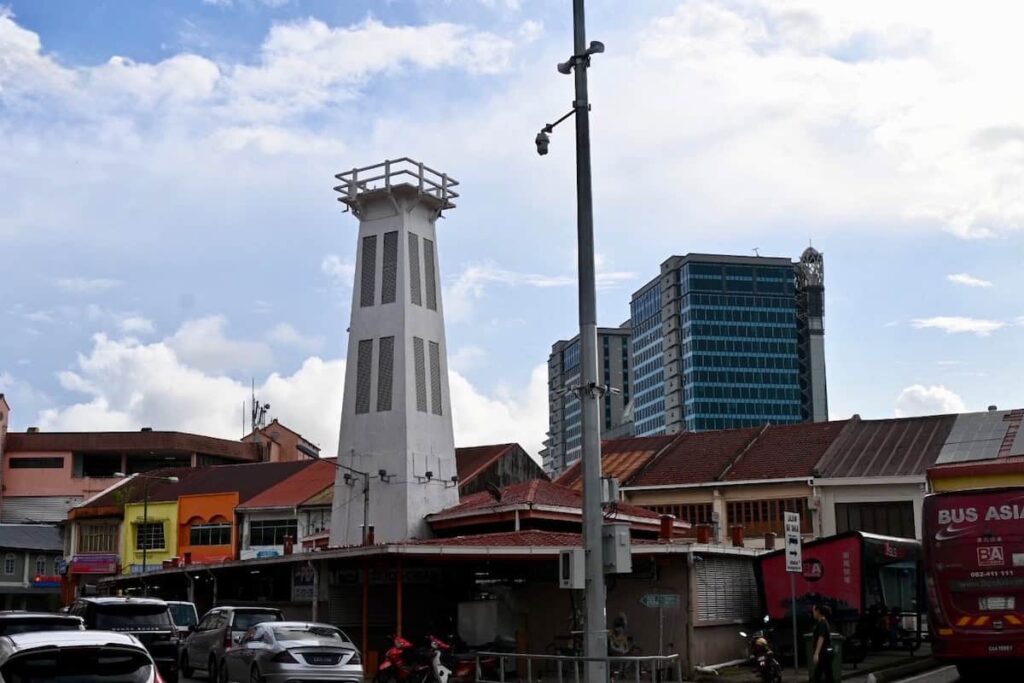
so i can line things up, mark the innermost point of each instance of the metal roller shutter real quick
(726, 589)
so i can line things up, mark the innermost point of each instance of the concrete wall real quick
(162, 512)
(869, 491)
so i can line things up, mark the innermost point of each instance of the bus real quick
(974, 577)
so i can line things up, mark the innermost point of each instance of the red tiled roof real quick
(620, 458)
(517, 539)
(247, 479)
(297, 488)
(695, 457)
(533, 492)
(469, 462)
(1013, 464)
(886, 448)
(786, 451)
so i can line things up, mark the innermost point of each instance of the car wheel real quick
(223, 678)
(211, 669)
(254, 676)
(170, 678)
(186, 670)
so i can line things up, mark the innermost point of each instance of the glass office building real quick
(565, 415)
(721, 342)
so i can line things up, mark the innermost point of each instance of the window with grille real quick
(389, 269)
(694, 513)
(894, 518)
(761, 516)
(54, 463)
(435, 378)
(364, 368)
(149, 536)
(9, 564)
(40, 565)
(385, 373)
(210, 534)
(726, 589)
(415, 288)
(97, 538)
(368, 272)
(420, 367)
(272, 531)
(430, 274)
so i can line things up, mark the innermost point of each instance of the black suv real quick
(148, 619)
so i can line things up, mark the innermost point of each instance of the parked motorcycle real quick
(405, 663)
(760, 654)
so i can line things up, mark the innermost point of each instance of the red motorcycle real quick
(405, 663)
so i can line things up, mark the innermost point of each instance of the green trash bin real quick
(837, 655)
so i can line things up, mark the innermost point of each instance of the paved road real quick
(946, 674)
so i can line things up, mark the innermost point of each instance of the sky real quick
(169, 234)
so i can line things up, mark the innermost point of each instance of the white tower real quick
(396, 423)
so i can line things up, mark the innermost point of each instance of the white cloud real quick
(928, 400)
(136, 324)
(85, 285)
(469, 286)
(285, 334)
(958, 324)
(466, 358)
(341, 272)
(127, 384)
(201, 343)
(968, 280)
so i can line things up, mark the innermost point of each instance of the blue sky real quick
(169, 232)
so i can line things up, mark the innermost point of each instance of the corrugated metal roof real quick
(620, 458)
(886, 448)
(517, 539)
(469, 462)
(30, 537)
(984, 436)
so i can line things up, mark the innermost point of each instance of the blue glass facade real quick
(733, 358)
(648, 370)
(740, 357)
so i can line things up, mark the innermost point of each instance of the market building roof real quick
(885, 448)
(470, 462)
(620, 458)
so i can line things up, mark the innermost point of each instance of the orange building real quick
(206, 527)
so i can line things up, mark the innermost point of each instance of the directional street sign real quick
(660, 600)
(794, 555)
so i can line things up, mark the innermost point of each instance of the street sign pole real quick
(794, 564)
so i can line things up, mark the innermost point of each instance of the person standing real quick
(823, 652)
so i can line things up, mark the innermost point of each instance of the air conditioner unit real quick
(572, 571)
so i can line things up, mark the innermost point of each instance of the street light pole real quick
(595, 641)
(145, 519)
(595, 622)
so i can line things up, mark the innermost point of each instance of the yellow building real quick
(979, 474)
(158, 535)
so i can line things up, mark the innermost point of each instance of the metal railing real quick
(533, 668)
(402, 171)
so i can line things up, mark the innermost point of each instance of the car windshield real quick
(183, 615)
(11, 627)
(121, 617)
(246, 620)
(306, 632)
(79, 665)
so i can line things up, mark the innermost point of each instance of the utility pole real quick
(595, 641)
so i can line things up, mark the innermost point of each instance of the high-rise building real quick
(565, 428)
(721, 342)
(396, 444)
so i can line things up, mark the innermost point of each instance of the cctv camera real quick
(543, 140)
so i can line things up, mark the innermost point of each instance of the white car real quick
(285, 651)
(75, 657)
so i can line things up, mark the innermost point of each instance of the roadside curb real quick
(899, 671)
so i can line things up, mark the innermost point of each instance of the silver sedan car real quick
(75, 657)
(280, 651)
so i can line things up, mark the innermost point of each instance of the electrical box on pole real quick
(572, 569)
(617, 549)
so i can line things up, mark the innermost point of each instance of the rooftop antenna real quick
(757, 252)
(258, 413)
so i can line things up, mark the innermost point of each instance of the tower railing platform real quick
(394, 172)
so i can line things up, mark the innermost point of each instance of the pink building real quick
(43, 475)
